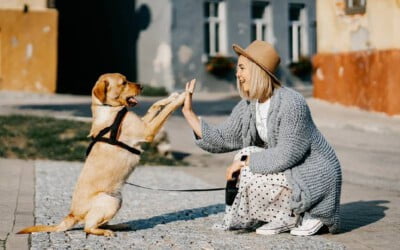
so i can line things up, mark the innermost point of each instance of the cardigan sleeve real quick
(224, 137)
(293, 141)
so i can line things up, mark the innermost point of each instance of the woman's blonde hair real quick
(262, 86)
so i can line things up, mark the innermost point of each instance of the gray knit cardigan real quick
(294, 146)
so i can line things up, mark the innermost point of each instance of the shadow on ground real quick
(180, 155)
(183, 215)
(361, 213)
(353, 215)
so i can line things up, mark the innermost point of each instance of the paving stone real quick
(2, 244)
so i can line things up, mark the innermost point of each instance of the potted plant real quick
(302, 68)
(220, 66)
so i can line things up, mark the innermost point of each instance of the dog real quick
(97, 195)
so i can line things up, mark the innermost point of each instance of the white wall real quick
(154, 46)
(378, 28)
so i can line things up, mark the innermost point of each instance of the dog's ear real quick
(100, 90)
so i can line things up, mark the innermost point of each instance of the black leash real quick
(177, 190)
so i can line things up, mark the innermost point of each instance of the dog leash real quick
(177, 190)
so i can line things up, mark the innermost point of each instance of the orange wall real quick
(367, 79)
(358, 57)
(28, 50)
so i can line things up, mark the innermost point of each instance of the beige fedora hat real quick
(262, 54)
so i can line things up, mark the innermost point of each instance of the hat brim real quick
(241, 52)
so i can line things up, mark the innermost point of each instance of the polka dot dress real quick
(261, 198)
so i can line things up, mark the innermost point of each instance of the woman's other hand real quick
(233, 168)
(187, 109)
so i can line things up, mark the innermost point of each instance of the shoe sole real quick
(273, 231)
(310, 232)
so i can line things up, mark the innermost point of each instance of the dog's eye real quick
(124, 82)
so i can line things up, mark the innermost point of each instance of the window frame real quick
(298, 39)
(266, 21)
(350, 9)
(217, 39)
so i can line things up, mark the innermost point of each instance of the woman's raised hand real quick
(187, 105)
(187, 109)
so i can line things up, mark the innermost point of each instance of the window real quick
(298, 37)
(355, 6)
(215, 28)
(261, 22)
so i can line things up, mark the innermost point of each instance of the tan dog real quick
(97, 197)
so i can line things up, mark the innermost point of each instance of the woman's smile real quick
(243, 73)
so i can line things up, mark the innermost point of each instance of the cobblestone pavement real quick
(158, 220)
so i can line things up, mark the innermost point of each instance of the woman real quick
(291, 179)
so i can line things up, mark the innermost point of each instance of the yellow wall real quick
(28, 50)
(19, 4)
(378, 28)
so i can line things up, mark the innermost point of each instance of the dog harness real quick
(113, 129)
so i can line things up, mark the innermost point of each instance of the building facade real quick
(163, 43)
(358, 54)
(189, 39)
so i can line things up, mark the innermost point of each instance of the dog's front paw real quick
(181, 98)
(174, 95)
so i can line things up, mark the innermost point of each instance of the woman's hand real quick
(187, 109)
(234, 167)
(187, 105)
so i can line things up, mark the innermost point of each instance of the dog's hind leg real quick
(103, 209)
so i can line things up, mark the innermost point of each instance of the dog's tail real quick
(68, 222)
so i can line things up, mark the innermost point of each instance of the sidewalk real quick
(16, 203)
(367, 144)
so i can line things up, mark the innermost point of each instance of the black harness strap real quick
(114, 128)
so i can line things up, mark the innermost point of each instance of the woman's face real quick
(243, 73)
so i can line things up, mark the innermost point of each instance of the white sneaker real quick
(274, 227)
(309, 226)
